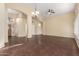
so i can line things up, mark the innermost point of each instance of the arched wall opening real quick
(27, 11)
(16, 23)
(24, 9)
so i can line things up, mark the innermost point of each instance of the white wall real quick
(36, 27)
(3, 25)
(76, 29)
(76, 24)
(33, 29)
(20, 27)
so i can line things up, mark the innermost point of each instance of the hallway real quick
(40, 46)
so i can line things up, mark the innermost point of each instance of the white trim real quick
(77, 40)
(59, 36)
(29, 36)
(2, 45)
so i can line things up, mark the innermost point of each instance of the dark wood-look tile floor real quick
(40, 46)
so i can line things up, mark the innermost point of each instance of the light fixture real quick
(39, 24)
(50, 11)
(35, 12)
(19, 18)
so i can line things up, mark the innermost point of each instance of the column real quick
(29, 27)
(3, 25)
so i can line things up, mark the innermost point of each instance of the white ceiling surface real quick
(59, 8)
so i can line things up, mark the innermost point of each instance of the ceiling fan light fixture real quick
(35, 13)
(50, 11)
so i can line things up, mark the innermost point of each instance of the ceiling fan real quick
(50, 11)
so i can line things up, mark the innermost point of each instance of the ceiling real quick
(59, 8)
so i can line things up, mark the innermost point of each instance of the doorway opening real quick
(37, 27)
(17, 31)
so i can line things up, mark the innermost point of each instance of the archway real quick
(26, 10)
(16, 26)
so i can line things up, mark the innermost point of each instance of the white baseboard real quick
(59, 36)
(77, 40)
(2, 45)
(21, 35)
(29, 36)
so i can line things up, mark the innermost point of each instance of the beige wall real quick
(62, 25)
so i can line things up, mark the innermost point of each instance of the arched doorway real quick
(17, 21)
